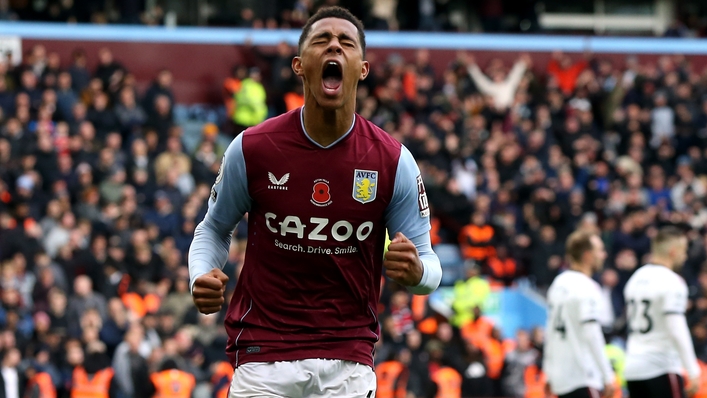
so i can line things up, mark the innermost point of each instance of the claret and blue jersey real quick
(317, 225)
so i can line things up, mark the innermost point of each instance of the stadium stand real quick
(102, 181)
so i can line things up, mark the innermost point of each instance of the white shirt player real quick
(574, 349)
(659, 340)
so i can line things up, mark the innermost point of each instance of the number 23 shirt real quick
(651, 293)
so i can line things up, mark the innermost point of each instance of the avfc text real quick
(316, 249)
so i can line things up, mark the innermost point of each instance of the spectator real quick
(612, 293)
(501, 88)
(475, 380)
(174, 159)
(96, 368)
(477, 240)
(59, 235)
(179, 301)
(565, 72)
(517, 361)
(160, 119)
(161, 86)
(130, 115)
(251, 108)
(12, 382)
(80, 75)
(170, 378)
(84, 298)
(109, 71)
(103, 120)
(130, 364)
(662, 121)
(469, 294)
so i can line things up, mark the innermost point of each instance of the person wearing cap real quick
(210, 132)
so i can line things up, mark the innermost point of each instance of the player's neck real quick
(662, 261)
(586, 270)
(325, 126)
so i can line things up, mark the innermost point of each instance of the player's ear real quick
(365, 68)
(297, 66)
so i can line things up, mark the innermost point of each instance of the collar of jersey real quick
(304, 130)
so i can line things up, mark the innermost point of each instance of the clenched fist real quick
(402, 261)
(208, 291)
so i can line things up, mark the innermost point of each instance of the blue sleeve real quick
(409, 213)
(228, 202)
(431, 267)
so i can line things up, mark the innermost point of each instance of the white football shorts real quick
(303, 378)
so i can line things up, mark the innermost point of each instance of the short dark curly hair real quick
(333, 12)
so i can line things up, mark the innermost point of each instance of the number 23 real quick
(632, 314)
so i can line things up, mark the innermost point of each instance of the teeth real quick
(333, 63)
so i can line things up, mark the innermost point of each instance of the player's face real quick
(331, 63)
(598, 253)
(679, 253)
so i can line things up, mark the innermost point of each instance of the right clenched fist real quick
(208, 291)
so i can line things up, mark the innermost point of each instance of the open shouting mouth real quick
(332, 77)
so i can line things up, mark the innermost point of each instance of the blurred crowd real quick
(98, 204)
(428, 15)
(99, 197)
(517, 156)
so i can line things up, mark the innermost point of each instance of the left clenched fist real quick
(402, 262)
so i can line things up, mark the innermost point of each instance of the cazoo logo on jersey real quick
(317, 228)
(365, 185)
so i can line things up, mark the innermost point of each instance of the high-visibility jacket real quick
(617, 358)
(467, 295)
(97, 386)
(702, 391)
(434, 231)
(43, 383)
(428, 326)
(535, 381)
(477, 331)
(493, 352)
(139, 305)
(418, 305)
(449, 382)
(251, 107)
(221, 379)
(475, 242)
(409, 81)
(173, 383)
(392, 380)
(501, 269)
(293, 101)
(231, 86)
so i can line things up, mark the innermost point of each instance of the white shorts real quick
(303, 378)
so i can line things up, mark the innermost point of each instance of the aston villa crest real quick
(365, 185)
